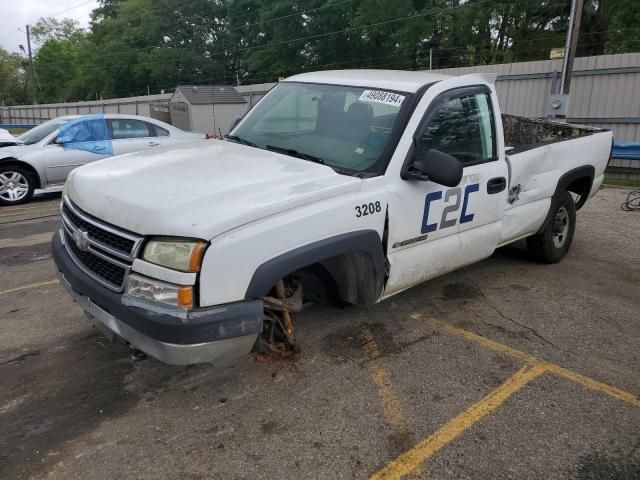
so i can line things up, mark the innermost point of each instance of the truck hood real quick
(200, 190)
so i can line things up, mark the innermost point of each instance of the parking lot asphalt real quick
(505, 369)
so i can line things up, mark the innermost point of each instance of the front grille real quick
(104, 252)
(107, 271)
(98, 234)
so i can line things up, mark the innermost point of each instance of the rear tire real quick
(553, 243)
(16, 185)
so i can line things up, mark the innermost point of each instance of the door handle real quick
(97, 148)
(153, 144)
(496, 185)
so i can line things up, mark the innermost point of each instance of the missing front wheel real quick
(277, 340)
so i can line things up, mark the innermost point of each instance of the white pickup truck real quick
(347, 186)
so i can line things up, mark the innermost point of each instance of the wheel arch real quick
(354, 261)
(25, 165)
(578, 181)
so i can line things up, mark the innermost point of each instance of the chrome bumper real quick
(218, 351)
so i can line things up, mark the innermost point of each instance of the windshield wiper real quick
(295, 153)
(241, 140)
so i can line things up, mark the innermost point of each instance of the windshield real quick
(38, 133)
(347, 128)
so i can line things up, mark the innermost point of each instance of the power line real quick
(72, 8)
(128, 51)
(309, 37)
(268, 76)
(349, 1)
(177, 42)
(205, 56)
(210, 55)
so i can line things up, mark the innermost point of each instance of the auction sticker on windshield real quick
(378, 96)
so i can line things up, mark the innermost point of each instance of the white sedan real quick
(43, 157)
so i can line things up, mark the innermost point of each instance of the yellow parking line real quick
(595, 385)
(391, 407)
(414, 458)
(558, 370)
(27, 287)
(486, 342)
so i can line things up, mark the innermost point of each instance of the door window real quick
(463, 127)
(159, 131)
(129, 128)
(94, 130)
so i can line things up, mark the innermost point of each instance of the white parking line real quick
(27, 287)
(34, 239)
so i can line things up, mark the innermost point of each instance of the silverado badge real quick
(82, 240)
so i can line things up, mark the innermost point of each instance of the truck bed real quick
(539, 152)
(521, 133)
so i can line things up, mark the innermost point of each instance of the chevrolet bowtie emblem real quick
(82, 240)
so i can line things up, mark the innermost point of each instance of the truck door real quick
(434, 229)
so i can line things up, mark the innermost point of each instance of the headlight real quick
(145, 288)
(183, 255)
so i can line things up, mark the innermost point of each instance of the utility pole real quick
(558, 105)
(33, 77)
(570, 45)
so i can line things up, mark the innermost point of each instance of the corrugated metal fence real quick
(35, 114)
(605, 92)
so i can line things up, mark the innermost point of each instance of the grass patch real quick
(615, 181)
(17, 131)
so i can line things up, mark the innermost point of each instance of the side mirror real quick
(62, 139)
(235, 122)
(436, 166)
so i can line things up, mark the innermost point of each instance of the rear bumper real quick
(215, 334)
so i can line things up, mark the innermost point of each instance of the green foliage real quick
(13, 86)
(137, 45)
(622, 29)
(52, 29)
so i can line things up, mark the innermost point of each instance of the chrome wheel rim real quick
(560, 227)
(13, 186)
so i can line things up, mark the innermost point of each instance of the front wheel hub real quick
(13, 186)
(560, 227)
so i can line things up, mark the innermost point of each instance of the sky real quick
(15, 14)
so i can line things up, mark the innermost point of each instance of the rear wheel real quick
(553, 243)
(16, 185)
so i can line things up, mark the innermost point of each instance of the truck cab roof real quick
(397, 80)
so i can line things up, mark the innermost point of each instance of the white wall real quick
(35, 114)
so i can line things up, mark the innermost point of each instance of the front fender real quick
(38, 173)
(248, 260)
(365, 242)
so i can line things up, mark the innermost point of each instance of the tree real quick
(52, 29)
(622, 28)
(59, 59)
(13, 85)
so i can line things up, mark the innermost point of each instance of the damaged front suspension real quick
(277, 338)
